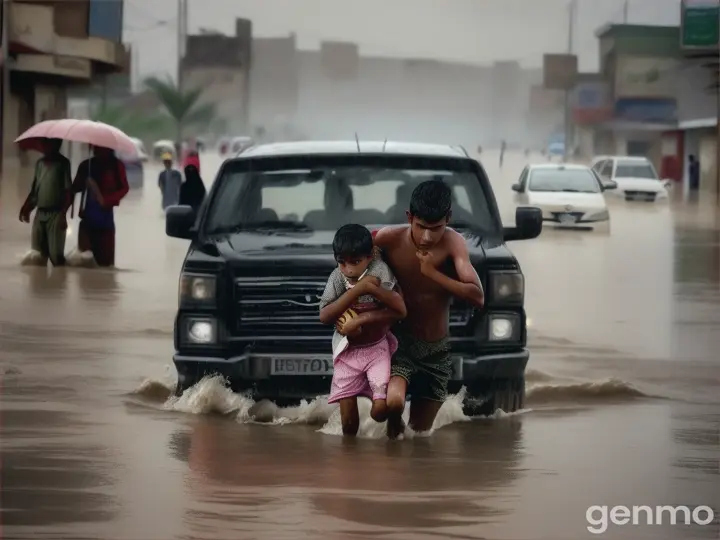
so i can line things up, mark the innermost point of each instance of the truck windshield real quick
(327, 192)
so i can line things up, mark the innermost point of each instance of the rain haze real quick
(165, 366)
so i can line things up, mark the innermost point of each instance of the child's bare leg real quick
(379, 411)
(349, 416)
(396, 406)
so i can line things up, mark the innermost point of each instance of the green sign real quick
(700, 26)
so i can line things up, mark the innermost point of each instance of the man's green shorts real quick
(425, 365)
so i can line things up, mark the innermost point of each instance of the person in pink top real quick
(191, 157)
(361, 283)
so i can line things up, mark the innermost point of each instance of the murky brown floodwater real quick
(623, 403)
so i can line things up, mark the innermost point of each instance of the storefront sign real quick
(54, 65)
(645, 77)
(591, 102)
(105, 19)
(700, 24)
(646, 110)
(559, 71)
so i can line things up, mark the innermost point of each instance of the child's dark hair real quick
(352, 241)
(431, 201)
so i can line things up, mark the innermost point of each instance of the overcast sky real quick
(474, 31)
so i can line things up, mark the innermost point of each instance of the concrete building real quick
(640, 65)
(335, 92)
(220, 66)
(54, 46)
(274, 84)
(698, 96)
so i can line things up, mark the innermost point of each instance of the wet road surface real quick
(623, 402)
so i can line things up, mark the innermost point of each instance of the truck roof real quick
(351, 147)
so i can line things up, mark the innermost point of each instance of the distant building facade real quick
(54, 46)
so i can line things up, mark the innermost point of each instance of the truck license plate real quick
(301, 366)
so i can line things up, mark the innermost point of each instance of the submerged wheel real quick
(505, 394)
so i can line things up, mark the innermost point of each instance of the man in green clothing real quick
(51, 195)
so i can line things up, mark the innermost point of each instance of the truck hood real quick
(309, 251)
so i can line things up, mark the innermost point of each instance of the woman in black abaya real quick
(192, 191)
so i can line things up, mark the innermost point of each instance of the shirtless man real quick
(416, 253)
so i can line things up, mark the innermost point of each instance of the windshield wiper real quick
(264, 226)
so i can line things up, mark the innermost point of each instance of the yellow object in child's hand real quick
(344, 318)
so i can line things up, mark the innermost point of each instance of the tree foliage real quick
(132, 123)
(183, 107)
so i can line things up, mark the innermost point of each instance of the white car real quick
(570, 196)
(636, 178)
(140, 149)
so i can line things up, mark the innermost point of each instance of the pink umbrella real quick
(82, 131)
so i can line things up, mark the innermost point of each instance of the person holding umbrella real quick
(102, 180)
(51, 197)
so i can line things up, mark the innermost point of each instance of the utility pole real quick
(626, 8)
(568, 91)
(181, 37)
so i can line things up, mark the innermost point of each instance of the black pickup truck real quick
(260, 253)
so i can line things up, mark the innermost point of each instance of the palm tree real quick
(132, 123)
(182, 106)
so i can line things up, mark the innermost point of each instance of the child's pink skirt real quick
(363, 370)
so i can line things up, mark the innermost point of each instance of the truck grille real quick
(272, 306)
(279, 306)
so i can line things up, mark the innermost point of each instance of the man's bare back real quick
(427, 302)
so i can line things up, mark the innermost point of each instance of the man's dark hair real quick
(352, 241)
(431, 201)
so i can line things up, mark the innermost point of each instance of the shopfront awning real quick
(698, 123)
(619, 125)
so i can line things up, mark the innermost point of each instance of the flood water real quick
(623, 402)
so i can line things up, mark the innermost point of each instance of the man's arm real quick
(81, 175)
(31, 200)
(67, 186)
(390, 298)
(114, 197)
(467, 287)
(377, 317)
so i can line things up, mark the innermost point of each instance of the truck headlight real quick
(506, 287)
(504, 327)
(197, 289)
(200, 330)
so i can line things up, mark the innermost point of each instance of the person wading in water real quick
(103, 183)
(415, 253)
(192, 191)
(52, 197)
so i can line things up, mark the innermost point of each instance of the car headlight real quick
(504, 327)
(197, 289)
(200, 331)
(603, 215)
(506, 287)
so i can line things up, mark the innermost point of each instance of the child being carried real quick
(361, 283)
